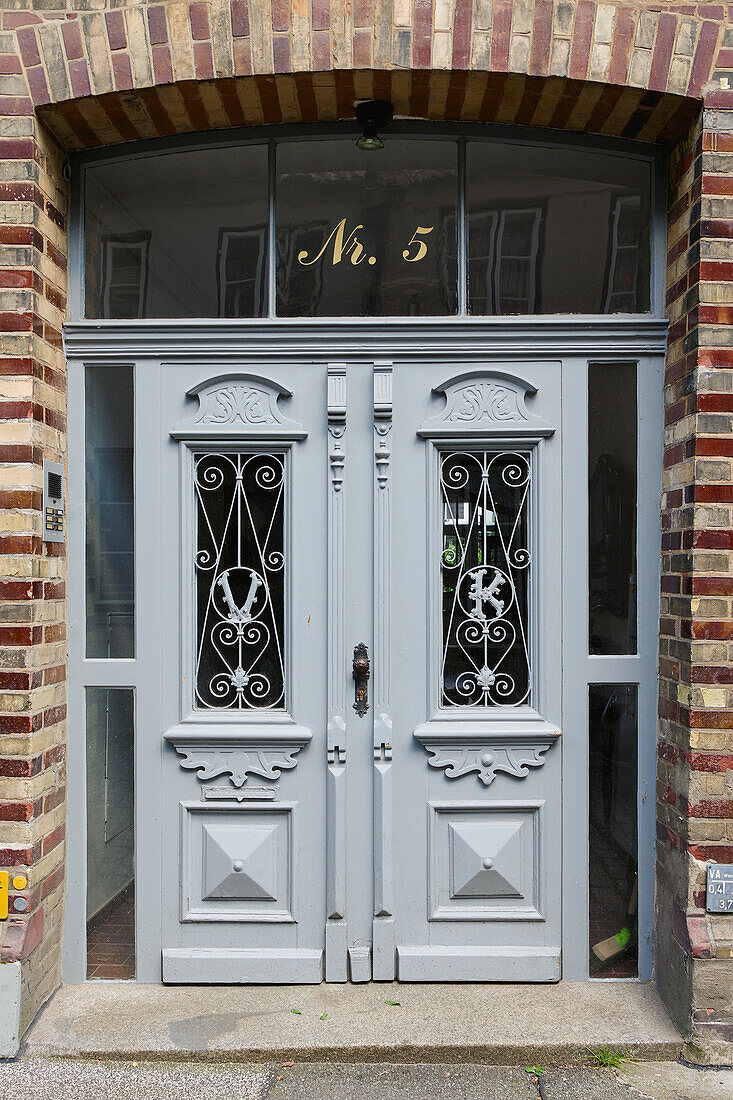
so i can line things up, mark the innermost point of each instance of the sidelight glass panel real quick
(613, 845)
(240, 580)
(178, 235)
(364, 234)
(485, 561)
(110, 608)
(612, 476)
(556, 230)
(110, 771)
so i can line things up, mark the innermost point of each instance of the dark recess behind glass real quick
(612, 473)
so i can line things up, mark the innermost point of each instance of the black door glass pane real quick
(109, 512)
(178, 235)
(556, 231)
(612, 474)
(366, 234)
(484, 563)
(239, 567)
(110, 780)
(613, 843)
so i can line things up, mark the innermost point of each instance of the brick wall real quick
(32, 587)
(695, 747)
(89, 73)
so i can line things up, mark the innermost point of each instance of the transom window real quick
(432, 225)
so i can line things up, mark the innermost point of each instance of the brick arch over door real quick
(161, 68)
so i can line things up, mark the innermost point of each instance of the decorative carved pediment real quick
(266, 754)
(482, 402)
(486, 753)
(238, 404)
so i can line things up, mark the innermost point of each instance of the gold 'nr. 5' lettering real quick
(344, 244)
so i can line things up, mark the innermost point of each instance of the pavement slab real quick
(586, 1084)
(672, 1081)
(72, 1079)
(410, 1082)
(478, 1023)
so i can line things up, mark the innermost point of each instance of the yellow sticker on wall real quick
(3, 895)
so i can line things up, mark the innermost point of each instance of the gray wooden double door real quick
(404, 819)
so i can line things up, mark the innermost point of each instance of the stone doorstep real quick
(489, 1024)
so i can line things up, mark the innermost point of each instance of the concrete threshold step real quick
(489, 1024)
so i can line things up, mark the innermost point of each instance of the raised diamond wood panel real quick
(240, 861)
(485, 860)
(237, 862)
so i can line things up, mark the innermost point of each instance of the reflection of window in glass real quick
(612, 473)
(484, 571)
(239, 568)
(241, 272)
(125, 275)
(623, 274)
(180, 200)
(109, 512)
(613, 843)
(299, 288)
(481, 271)
(110, 756)
(114, 500)
(517, 250)
(455, 512)
(504, 263)
(576, 191)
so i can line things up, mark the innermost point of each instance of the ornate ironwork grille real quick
(485, 564)
(240, 574)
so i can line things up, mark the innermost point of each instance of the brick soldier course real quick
(93, 73)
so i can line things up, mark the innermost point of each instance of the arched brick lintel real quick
(510, 98)
(139, 71)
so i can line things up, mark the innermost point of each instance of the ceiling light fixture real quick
(370, 114)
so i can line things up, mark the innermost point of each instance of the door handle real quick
(360, 669)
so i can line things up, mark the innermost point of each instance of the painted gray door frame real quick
(456, 345)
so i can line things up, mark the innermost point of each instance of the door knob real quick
(360, 669)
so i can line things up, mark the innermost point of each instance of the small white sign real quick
(719, 896)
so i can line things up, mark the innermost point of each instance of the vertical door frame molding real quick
(336, 925)
(383, 926)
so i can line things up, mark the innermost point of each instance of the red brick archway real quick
(660, 72)
(170, 67)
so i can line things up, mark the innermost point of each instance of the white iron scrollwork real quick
(485, 564)
(239, 567)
